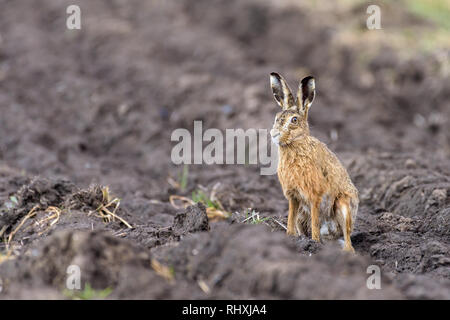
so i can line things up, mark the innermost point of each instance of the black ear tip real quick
(275, 79)
(307, 79)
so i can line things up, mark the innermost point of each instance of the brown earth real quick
(91, 108)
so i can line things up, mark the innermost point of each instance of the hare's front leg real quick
(292, 216)
(315, 230)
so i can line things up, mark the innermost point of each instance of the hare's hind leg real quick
(292, 217)
(302, 220)
(344, 218)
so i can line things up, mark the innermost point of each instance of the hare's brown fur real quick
(321, 195)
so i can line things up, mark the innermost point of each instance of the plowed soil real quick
(90, 108)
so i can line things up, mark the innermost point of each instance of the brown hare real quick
(320, 193)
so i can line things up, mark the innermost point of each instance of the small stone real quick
(440, 195)
(227, 109)
(410, 164)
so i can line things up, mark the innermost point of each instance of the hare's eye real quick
(294, 120)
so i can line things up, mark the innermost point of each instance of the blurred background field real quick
(98, 106)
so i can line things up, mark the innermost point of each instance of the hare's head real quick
(292, 122)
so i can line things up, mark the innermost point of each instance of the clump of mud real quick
(41, 270)
(45, 205)
(193, 219)
(104, 261)
(41, 193)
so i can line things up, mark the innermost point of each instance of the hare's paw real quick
(316, 236)
(291, 232)
(348, 248)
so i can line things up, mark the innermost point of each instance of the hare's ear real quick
(306, 93)
(281, 91)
